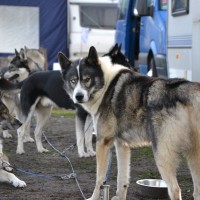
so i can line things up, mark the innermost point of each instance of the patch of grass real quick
(63, 113)
(149, 175)
(142, 152)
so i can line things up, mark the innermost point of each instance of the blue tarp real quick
(53, 25)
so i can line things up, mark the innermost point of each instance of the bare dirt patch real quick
(61, 133)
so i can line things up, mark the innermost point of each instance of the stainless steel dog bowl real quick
(153, 188)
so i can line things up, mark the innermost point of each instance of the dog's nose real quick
(79, 97)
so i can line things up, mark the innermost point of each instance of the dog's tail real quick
(7, 85)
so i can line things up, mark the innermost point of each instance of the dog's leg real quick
(102, 154)
(194, 162)
(123, 165)
(42, 115)
(80, 123)
(11, 178)
(167, 168)
(27, 136)
(23, 128)
(21, 133)
(88, 136)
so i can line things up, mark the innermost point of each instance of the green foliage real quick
(63, 113)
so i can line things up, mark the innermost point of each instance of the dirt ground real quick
(60, 132)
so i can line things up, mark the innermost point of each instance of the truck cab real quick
(141, 29)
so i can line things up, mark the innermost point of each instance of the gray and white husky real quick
(131, 110)
(24, 63)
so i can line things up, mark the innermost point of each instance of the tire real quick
(152, 67)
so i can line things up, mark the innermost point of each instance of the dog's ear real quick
(25, 49)
(119, 48)
(16, 52)
(63, 61)
(92, 57)
(114, 50)
(23, 54)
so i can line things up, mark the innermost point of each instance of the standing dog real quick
(24, 63)
(132, 110)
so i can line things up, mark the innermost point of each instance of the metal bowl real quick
(153, 188)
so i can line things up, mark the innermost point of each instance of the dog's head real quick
(83, 78)
(87, 79)
(18, 69)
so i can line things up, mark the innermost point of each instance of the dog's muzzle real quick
(79, 97)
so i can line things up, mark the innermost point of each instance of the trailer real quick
(183, 39)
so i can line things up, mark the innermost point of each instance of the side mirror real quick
(143, 9)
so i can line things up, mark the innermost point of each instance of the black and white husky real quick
(44, 90)
(131, 110)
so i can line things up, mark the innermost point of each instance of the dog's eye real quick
(73, 81)
(11, 68)
(87, 79)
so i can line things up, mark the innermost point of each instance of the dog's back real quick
(44, 84)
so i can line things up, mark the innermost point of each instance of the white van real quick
(183, 40)
(91, 23)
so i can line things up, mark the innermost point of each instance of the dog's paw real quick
(43, 150)
(115, 198)
(20, 151)
(28, 139)
(8, 168)
(83, 155)
(91, 153)
(6, 134)
(18, 183)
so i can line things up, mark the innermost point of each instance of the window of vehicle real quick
(163, 4)
(123, 7)
(98, 16)
(180, 7)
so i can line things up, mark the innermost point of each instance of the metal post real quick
(105, 192)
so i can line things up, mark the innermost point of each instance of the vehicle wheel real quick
(152, 67)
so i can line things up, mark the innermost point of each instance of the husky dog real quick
(84, 127)
(131, 110)
(24, 63)
(5, 170)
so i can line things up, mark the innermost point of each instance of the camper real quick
(91, 23)
(141, 29)
(183, 41)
